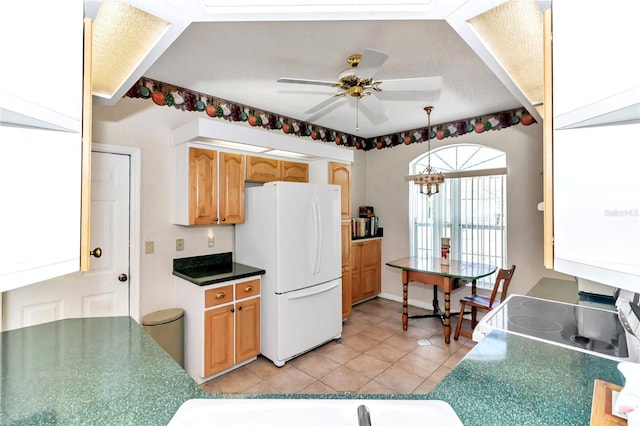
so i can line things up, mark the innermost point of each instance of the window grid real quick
(471, 211)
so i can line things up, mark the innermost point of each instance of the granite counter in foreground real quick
(511, 380)
(100, 371)
(89, 371)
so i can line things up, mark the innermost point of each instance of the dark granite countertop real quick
(212, 269)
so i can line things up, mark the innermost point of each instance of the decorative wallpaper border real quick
(164, 94)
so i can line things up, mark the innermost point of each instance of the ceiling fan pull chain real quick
(357, 114)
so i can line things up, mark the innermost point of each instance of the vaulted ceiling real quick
(489, 57)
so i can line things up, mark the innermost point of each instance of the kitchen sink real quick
(312, 412)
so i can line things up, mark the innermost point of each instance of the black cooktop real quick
(582, 327)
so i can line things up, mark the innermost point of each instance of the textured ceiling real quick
(240, 58)
(519, 53)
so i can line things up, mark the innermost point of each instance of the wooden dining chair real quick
(477, 301)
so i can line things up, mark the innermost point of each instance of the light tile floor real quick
(374, 356)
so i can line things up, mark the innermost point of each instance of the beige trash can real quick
(167, 329)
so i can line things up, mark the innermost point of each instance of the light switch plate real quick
(148, 247)
(179, 244)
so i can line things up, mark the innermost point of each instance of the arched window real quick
(470, 207)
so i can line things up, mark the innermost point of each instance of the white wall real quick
(378, 180)
(388, 193)
(140, 123)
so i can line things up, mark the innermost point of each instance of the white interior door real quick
(98, 292)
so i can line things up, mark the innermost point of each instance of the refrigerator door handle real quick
(302, 294)
(317, 237)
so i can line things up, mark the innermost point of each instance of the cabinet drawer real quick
(247, 289)
(218, 296)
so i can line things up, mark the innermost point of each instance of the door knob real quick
(97, 252)
(123, 277)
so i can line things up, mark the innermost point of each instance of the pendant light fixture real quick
(429, 180)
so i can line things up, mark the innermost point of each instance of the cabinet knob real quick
(97, 252)
(233, 310)
(239, 308)
(220, 295)
(223, 219)
(248, 289)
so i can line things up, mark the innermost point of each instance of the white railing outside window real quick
(470, 210)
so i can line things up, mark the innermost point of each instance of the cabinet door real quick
(40, 192)
(347, 301)
(345, 228)
(580, 79)
(547, 145)
(292, 171)
(340, 174)
(260, 169)
(356, 281)
(218, 339)
(247, 329)
(345, 234)
(202, 186)
(231, 204)
(41, 79)
(371, 268)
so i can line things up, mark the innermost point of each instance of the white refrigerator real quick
(292, 231)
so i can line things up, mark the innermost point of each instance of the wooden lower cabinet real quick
(220, 343)
(366, 269)
(222, 325)
(247, 329)
(218, 339)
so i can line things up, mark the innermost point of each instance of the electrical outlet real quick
(179, 244)
(148, 247)
(210, 242)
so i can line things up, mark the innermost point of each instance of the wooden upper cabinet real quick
(231, 176)
(293, 171)
(260, 169)
(340, 174)
(208, 186)
(203, 177)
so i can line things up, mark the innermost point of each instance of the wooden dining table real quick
(431, 272)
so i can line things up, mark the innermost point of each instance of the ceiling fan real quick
(358, 81)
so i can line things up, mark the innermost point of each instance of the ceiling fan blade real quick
(421, 84)
(370, 61)
(324, 103)
(304, 81)
(373, 108)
